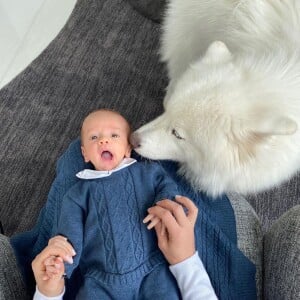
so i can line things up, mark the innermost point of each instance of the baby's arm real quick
(48, 268)
(54, 267)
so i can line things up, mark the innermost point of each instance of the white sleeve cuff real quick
(39, 296)
(193, 280)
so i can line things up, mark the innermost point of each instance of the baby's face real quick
(105, 139)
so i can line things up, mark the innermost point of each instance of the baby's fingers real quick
(153, 222)
(51, 271)
(57, 270)
(148, 218)
(50, 260)
(152, 219)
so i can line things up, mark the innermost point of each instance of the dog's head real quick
(215, 126)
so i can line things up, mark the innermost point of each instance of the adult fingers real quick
(53, 261)
(192, 210)
(175, 209)
(50, 260)
(51, 270)
(162, 236)
(52, 250)
(166, 217)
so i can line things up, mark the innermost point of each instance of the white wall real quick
(26, 29)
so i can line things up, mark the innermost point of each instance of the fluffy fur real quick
(232, 108)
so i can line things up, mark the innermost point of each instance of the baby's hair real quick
(105, 110)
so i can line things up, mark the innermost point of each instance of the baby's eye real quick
(94, 137)
(115, 135)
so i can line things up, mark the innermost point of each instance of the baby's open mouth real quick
(106, 155)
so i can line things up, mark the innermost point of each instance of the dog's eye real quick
(177, 135)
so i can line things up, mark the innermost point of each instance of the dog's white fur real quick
(232, 109)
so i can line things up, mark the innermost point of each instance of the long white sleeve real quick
(39, 296)
(193, 280)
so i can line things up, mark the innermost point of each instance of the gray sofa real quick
(107, 56)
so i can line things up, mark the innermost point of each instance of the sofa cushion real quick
(282, 257)
(151, 9)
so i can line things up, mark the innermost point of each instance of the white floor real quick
(26, 29)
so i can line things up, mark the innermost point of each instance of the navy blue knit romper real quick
(117, 255)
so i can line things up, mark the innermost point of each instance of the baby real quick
(102, 217)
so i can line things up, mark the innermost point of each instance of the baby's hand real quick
(48, 266)
(155, 222)
(152, 220)
(174, 225)
(55, 268)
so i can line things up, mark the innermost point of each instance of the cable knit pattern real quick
(231, 273)
(135, 222)
(102, 218)
(105, 227)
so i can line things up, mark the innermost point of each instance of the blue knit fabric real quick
(102, 218)
(231, 273)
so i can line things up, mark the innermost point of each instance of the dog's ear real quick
(258, 130)
(216, 53)
(274, 125)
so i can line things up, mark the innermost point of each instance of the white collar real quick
(94, 174)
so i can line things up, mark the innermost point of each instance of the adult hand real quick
(48, 266)
(174, 227)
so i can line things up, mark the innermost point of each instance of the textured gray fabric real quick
(152, 9)
(105, 56)
(249, 234)
(270, 205)
(282, 257)
(11, 283)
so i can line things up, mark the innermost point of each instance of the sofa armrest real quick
(11, 282)
(282, 257)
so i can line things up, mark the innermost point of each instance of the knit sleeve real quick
(70, 225)
(165, 186)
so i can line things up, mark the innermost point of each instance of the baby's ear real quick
(128, 151)
(85, 157)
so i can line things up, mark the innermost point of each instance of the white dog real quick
(232, 109)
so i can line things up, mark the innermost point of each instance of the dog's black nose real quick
(135, 140)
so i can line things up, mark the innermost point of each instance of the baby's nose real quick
(103, 140)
